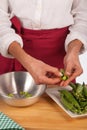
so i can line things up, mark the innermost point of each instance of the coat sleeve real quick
(7, 34)
(78, 30)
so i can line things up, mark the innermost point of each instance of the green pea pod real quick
(84, 90)
(70, 98)
(83, 104)
(79, 88)
(68, 105)
(63, 77)
(80, 92)
(79, 97)
(73, 85)
(84, 110)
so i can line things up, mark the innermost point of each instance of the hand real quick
(43, 73)
(72, 67)
(72, 64)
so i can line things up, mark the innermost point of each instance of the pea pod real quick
(78, 97)
(79, 92)
(79, 88)
(83, 104)
(84, 110)
(70, 98)
(68, 105)
(63, 77)
(73, 85)
(85, 90)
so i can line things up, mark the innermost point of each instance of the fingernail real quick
(60, 74)
(68, 73)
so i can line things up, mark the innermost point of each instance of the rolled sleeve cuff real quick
(6, 41)
(78, 36)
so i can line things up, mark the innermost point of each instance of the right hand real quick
(41, 72)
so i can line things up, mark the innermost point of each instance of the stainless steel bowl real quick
(19, 89)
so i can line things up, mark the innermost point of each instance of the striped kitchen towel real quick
(7, 123)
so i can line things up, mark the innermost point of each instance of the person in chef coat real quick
(43, 36)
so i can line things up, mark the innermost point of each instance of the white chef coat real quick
(43, 14)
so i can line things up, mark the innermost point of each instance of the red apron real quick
(46, 45)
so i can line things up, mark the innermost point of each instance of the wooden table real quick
(44, 115)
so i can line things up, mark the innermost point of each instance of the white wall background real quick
(83, 77)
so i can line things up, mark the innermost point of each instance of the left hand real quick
(72, 64)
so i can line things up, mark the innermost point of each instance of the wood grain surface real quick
(44, 115)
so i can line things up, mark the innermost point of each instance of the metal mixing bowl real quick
(19, 89)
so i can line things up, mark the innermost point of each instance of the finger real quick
(50, 75)
(71, 78)
(62, 83)
(55, 71)
(68, 70)
(51, 81)
(74, 73)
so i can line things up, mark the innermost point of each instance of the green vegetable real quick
(22, 93)
(68, 105)
(79, 92)
(10, 95)
(25, 94)
(85, 90)
(79, 88)
(83, 104)
(73, 85)
(76, 99)
(70, 98)
(63, 77)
